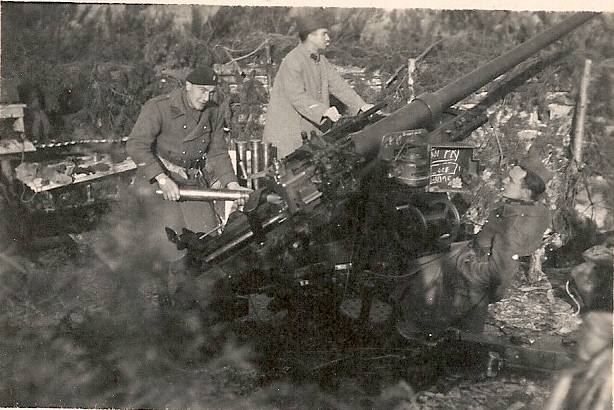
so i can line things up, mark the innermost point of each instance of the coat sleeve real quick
(342, 90)
(141, 141)
(295, 90)
(217, 156)
(485, 279)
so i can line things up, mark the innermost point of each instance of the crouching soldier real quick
(454, 289)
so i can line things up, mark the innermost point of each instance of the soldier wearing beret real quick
(455, 288)
(177, 141)
(300, 98)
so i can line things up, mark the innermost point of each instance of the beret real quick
(203, 76)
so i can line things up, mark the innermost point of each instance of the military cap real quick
(203, 76)
(307, 23)
(532, 162)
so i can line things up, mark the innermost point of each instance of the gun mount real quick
(358, 206)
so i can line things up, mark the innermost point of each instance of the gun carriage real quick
(333, 227)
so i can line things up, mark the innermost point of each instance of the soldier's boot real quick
(183, 284)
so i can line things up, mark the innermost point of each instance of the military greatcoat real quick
(169, 130)
(299, 97)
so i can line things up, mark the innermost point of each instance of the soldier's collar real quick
(305, 50)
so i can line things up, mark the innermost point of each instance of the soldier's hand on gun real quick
(235, 185)
(366, 107)
(170, 190)
(332, 113)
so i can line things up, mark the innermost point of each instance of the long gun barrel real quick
(427, 107)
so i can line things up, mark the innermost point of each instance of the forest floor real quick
(64, 345)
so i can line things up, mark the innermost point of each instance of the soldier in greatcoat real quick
(178, 141)
(300, 96)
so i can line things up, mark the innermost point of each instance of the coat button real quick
(205, 127)
(185, 126)
(183, 152)
(200, 151)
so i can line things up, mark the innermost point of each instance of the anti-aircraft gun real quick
(332, 224)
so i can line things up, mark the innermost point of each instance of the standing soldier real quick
(300, 98)
(177, 141)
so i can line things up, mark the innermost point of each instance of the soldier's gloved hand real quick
(235, 185)
(170, 190)
(332, 113)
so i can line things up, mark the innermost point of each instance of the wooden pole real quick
(581, 113)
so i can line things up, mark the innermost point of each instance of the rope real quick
(572, 298)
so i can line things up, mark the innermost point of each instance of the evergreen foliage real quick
(111, 56)
(98, 64)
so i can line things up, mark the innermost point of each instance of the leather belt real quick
(198, 163)
(188, 171)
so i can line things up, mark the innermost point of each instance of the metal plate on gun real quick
(449, 166)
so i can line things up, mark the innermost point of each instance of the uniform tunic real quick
(299, 97)
(168, 128)
(455, 288)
